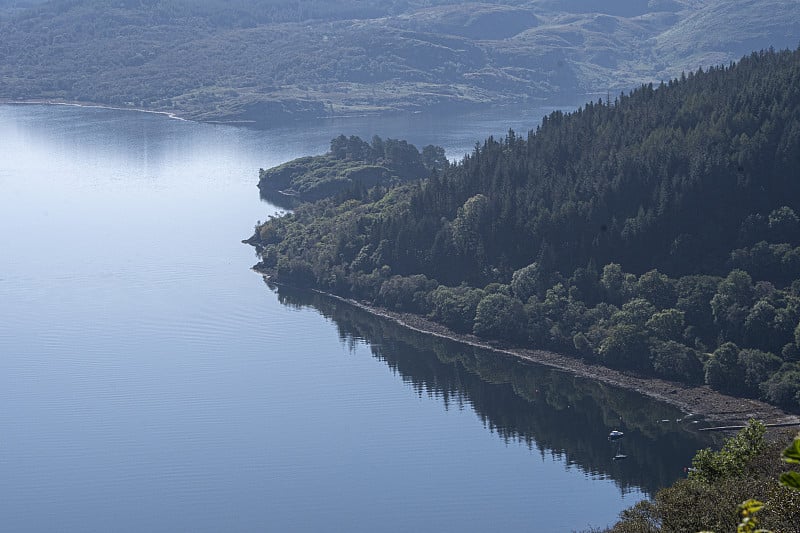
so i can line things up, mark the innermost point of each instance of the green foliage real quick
(792, 453)
(625, 347)
(657, 288)
(469, 228)
(613, 283)
(694, 299)
(747, 510)
(779, 262)
(744, 470)
(434, 157)
(690, 506)
(528, 281)
(756, 366)
(500, 317)
(406, 293)
(710, 467)
(722, 371)
(455, 307)
(783, 387)
(792, 456)
(791, 480)
(732, 302)
(676, 361)
(783, 224)
(749, 521)
(668, 324)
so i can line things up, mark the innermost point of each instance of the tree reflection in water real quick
(549, 410)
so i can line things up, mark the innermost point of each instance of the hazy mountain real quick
(243, 59)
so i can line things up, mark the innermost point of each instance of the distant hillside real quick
(258, 61)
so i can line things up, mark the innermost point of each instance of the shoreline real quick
(700, 400)
(252, 123)
(170, 114)
(65, 103)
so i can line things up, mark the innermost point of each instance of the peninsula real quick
(350, 168)
(656, 235)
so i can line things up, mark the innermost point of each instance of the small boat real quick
(619, 457)
(614, 435)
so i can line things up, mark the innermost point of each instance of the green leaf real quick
(792, 453)
(791, 480)
(750, 506)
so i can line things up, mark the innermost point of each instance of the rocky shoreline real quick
(713, 406)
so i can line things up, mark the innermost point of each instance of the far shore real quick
(702, 401)
(175, 115)
(167, 114)
(89, 105)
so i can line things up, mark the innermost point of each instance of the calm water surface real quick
(149, 381)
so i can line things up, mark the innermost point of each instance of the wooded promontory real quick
(658, 233)
(351, 167)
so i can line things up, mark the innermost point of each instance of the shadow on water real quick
(278, 198)
(552, 412)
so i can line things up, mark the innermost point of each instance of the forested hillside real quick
(261, 61)
(658, 232)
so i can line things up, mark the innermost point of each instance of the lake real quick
(149, 381)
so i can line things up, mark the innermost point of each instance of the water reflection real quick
(550, 411)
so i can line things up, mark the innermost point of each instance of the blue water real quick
(149, 381)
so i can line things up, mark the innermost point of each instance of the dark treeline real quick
(657, 233)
